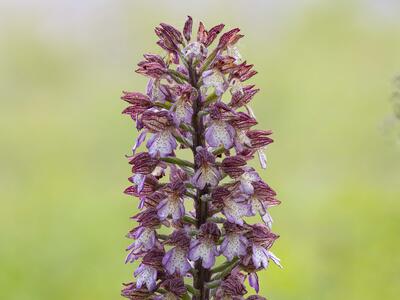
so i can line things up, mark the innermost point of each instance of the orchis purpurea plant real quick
(193, 211)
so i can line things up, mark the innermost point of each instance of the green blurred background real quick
(325, 70)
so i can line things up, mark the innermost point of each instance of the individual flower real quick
(262, 198)
(233, 205)
(153, 66)
(172, 205)
(144, 235)
(216, 80)
(204, 246)
(207, 172)
(219, 131)
(146, 273)
(261, 240)
(175, 260)
(246, 180)
(182, 108)
(232, 287)
(242, 124)
(234, 243)
(160, 123)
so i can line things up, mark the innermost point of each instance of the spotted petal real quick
(233, 245)
(220, 133)
(146, 275)
(175, 261)
(206, 250)
(171, 207)
(161, 143)
(235, 211)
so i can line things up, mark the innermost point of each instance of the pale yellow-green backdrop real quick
(325, 70)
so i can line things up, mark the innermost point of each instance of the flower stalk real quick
(197, 101)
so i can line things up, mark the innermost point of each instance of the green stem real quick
(190, 220)
(226, 265)
(192, 290)
(219, 150)
(178, 76)
(213, 284)
(208, 61)
(177, 161)
(227, 270)
(203, 275)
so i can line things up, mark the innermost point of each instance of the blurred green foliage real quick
(325, 74)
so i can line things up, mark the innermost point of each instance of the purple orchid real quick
(207, 172)
(204, 247)
(235, 243)
(194, 210)
(232, 204)
(219, 132)
(261, 240)
(175, 260)
(147, 271)
(162, 142)
(262, 198)
(172, 205)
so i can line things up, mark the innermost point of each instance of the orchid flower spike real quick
(192, 211)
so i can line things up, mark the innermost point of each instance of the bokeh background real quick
(325, 69)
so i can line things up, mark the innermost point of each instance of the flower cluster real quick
(192, 211)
